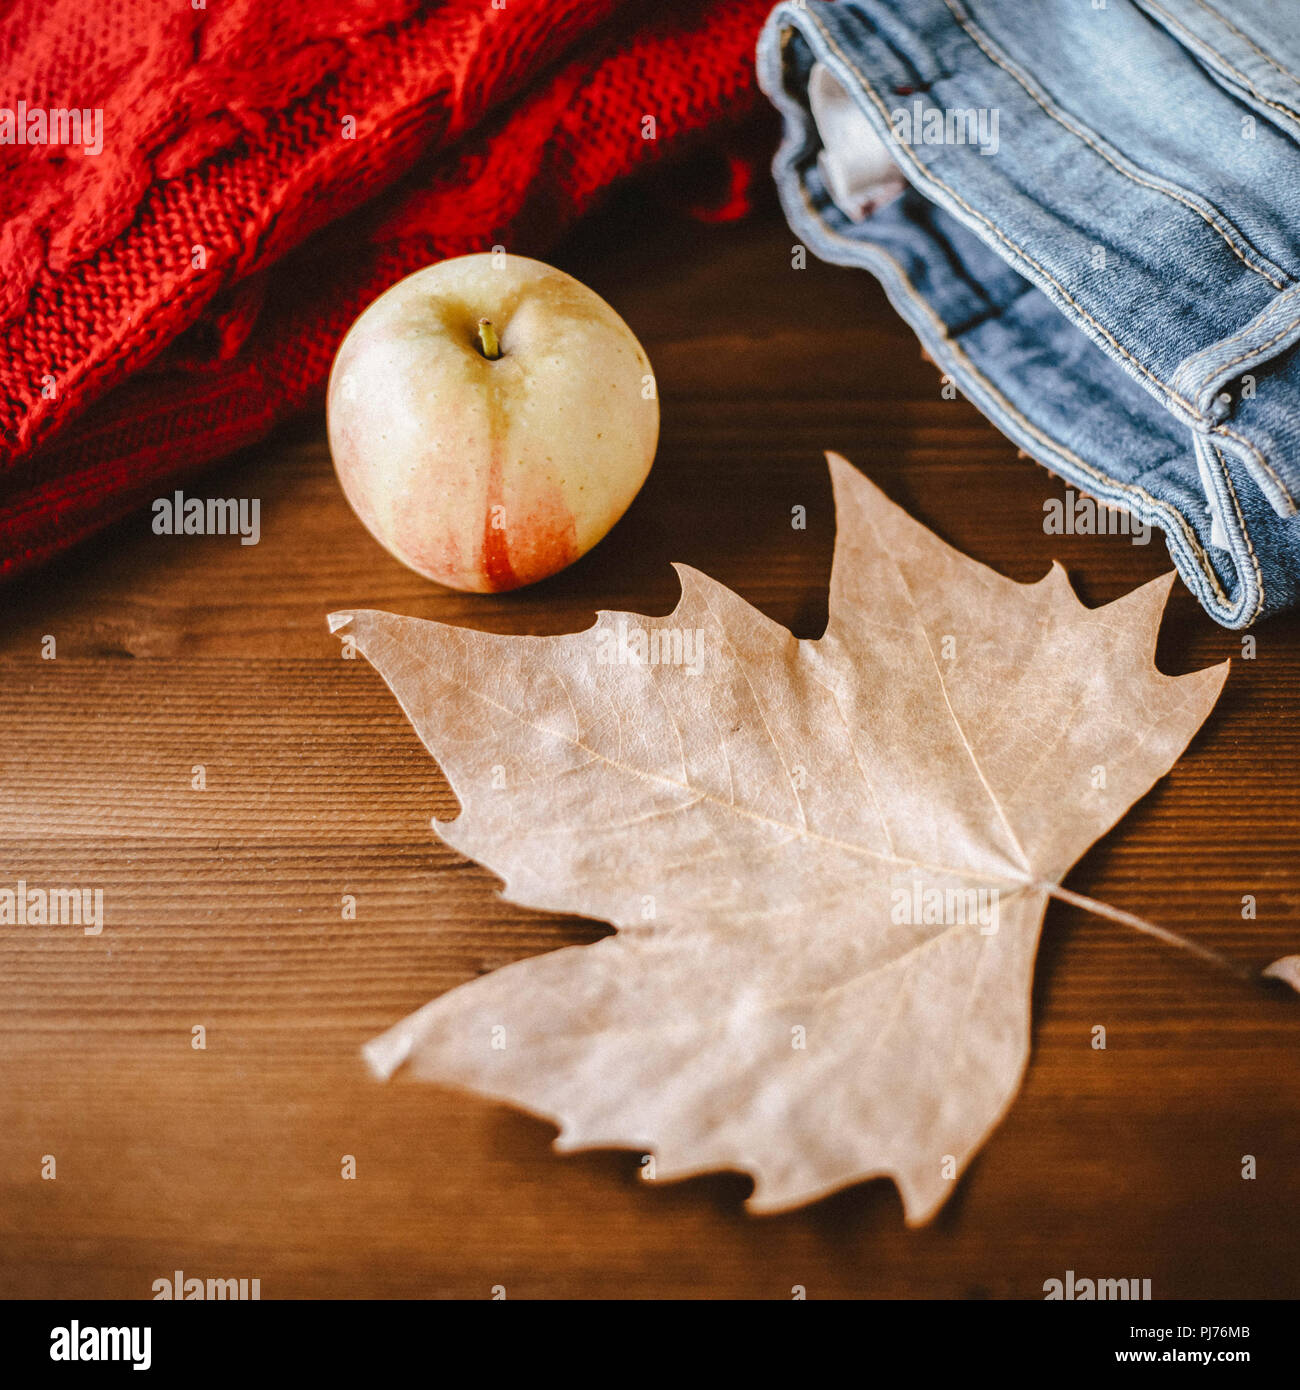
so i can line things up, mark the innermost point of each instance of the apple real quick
(490, 419)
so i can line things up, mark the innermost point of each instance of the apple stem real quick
(487, 341)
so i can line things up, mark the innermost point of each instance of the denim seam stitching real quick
(1245, 38)
(1241, 335)
(1199, 42)
(1260, 459)
(1232, 434)
(989, 50)
(1250, 352)
(928, 173)
(1245, 535)
(1158, 507)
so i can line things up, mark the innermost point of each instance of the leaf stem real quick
(1170, 938)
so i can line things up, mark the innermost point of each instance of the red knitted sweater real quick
(198, 272)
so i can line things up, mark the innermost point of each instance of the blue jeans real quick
(1097, 237)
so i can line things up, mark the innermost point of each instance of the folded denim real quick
(1098, 240)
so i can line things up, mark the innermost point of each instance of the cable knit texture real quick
(268, 167)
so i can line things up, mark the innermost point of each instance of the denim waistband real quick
(1116, 282)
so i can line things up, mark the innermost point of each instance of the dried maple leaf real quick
(828, 861)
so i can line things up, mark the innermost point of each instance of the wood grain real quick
(223, 906)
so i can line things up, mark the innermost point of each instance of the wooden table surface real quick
(223, 906)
